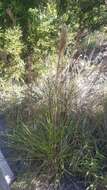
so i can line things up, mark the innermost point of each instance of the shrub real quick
(11, 52)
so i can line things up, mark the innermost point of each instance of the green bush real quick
(12, 49)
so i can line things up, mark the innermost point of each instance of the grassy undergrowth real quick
(70, 147)
(60, 140)
(54, 136)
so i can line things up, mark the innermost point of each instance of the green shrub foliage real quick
(39, 23)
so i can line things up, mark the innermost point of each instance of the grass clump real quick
(46, 144)
(52, 151)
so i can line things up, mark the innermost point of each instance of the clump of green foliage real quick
(38, 32)
(60, 141)
(12, 66)
(67, 148)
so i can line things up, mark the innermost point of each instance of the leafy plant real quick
(11, 53)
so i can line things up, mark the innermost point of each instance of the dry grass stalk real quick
(58, 84)
(61, 48)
